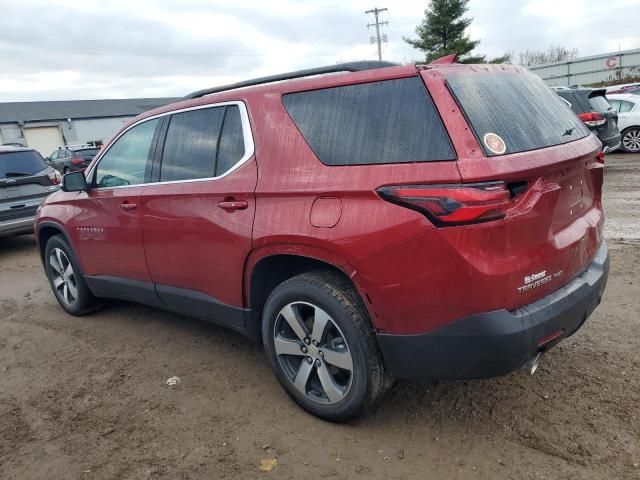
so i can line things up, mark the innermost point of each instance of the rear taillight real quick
(77, 161)
(448, 205)
(55, 177)
(600, 158)
(592, 119)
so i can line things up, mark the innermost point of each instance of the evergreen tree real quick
(442, 32)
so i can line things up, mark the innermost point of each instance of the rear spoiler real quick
(598, 92)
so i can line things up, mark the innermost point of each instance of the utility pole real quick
(376, 12)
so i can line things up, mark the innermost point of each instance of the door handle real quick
(127, 206)
(232, 205)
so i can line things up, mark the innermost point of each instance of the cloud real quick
(64, 49)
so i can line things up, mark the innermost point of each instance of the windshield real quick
(20, 164)
(517, 108)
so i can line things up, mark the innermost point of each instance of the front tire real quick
(321, 347)
(65, 278)
(631, 140)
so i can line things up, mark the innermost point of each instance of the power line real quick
(376, 11)
(135, 54)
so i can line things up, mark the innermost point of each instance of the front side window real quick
(390, 121)
(126, 160)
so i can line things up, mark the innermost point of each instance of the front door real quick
(197, 219)
(107, 223)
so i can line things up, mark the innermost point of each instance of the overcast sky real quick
(70, 49)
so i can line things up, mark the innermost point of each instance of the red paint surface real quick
(417, 277)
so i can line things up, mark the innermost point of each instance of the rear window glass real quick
(391, 121)
(20, 164)
(599, 103)
(90, 152)
(518, 107)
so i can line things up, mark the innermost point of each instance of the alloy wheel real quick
(63, 276)
(313, 353)
(631, 140)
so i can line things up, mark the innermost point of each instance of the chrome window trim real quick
(247, 135)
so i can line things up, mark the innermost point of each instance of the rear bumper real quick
(16, 226)
(496, 343)
(610, 144)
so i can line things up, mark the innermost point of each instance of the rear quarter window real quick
(518, 107)
(391, 121)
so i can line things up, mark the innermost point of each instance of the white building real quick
(607, 67)
(47, 125)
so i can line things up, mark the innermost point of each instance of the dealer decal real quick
(495, 143)
(536, 280)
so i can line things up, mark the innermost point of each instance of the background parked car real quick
(628, 108)
(72, 158)
(25, 180)
(594, 110)
(629, 88)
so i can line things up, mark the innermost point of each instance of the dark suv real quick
(439, 221)
(72, 158)
(25, 180)
(596, 112)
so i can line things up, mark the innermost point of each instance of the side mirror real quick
(47, 159)
(74, 182)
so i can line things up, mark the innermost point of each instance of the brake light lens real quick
(55, 177)
(600, 158)
(592, 119)
(77, 161)
(449, 205)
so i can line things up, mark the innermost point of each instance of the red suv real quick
(440, 221)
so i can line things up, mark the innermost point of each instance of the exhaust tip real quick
(532, 364)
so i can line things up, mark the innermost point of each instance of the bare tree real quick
(553, 54)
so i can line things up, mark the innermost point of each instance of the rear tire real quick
(321, 346)
(65, 278)
(630, 141)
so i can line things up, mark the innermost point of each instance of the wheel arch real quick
(624, 132)
(270, 266)
(48, 229)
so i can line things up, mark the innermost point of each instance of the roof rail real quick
(341, 67)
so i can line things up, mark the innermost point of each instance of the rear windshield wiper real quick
(17, 174)
(568, 132)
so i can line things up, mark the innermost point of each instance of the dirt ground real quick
(87, 397)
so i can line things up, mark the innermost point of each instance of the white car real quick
(628, 107)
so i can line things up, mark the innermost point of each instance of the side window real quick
(625, 106)
(126, 160)
(231, 148)
(615, 104)
(191, 144)
(53, 156)
(390, 121)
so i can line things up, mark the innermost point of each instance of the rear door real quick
(526, 137)
(197, 219)
(24, 182)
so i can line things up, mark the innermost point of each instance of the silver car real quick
(25, 180)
